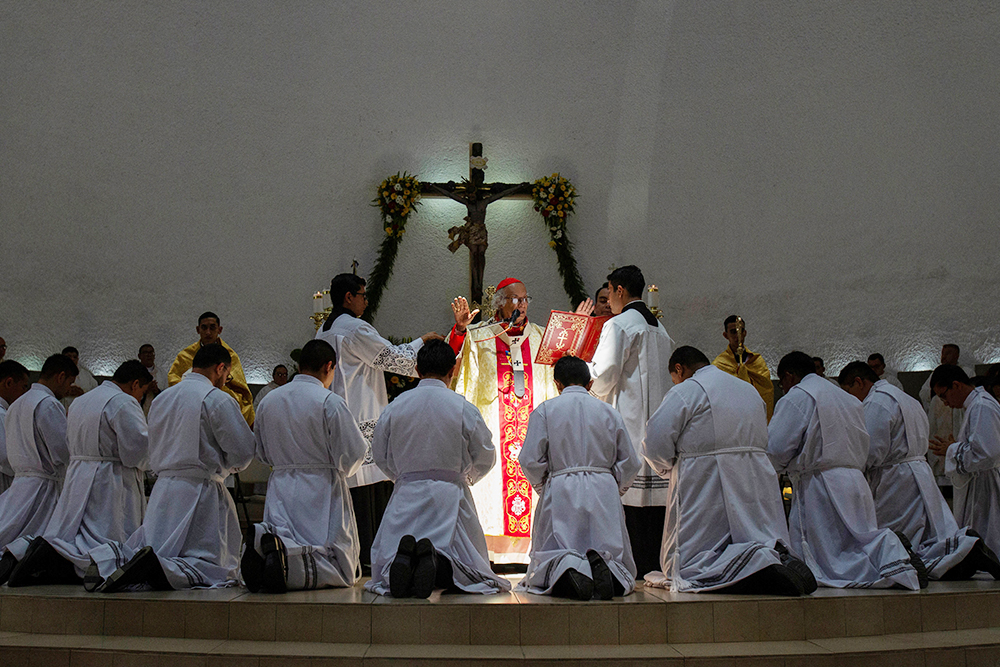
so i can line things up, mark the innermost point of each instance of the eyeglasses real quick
(364, 295)
(519, 301)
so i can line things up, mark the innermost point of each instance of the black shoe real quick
(92, 578)
(401, 570)
(574, 585)
(42, 565)
(424, 569)
(985, 559)
(7, 565)
(144, 568)
(603, 587)
(275, 578)
(252, 568)
(915, 561)
(799, 567)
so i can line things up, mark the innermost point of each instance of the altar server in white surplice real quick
(818, 436)
(35, 430)
(973, 460)
(13, 384)
(630, 372)
(190, 536)
(363, 358)
(433, 444)
(103, 497)
(579, 459)
(725, 525)
(907, 498)
(307, 538)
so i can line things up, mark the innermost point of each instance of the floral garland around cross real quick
(397, 198)
(554, 198)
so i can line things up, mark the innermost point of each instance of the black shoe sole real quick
(252, 569)
(603, 580)
(7, 565)
(275, 579)
(401, 570)
(915, 561)
(42, 565)
(139, 570)
(424, 570)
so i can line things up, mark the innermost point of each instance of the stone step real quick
(928, 649)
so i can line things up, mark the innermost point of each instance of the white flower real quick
(518, 506)
(398, 187)
(399, 199)
(558, 235)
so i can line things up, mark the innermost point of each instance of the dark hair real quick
(340, 286)
(946, 374)
(856, 369)
(952, 345)
(818, 360)
(629, 277)
(875, 356)
(798, 364)
(69, 349)
(132, 370)
(56, 364)
(207, 314)
(978, 380)
(145, 345)
(688, 357)
(571, 371)
(598, 292)
(212, 355)
(435, 358)
(314, 356)
(730, 320)
(12, 369)
(275, 369)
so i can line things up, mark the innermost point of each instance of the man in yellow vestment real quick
(751, 368)
(498, 376)
(209, 331)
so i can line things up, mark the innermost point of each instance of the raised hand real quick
(431, 335)
(463, 318)
(586, 307)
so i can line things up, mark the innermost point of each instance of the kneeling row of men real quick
(725, 526)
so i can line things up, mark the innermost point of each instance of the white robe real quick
(630, 370)
(973, 464)
(363, 357)
(307, 434)
(162, 382)
(197, 438)
(725, 514)
(433, 444)
(891, 378)
(6, 472)
(103, 497)
(264, 391)
(579, 459)
(907, 498)
(36, 448)
(818, 436)
(85, 380)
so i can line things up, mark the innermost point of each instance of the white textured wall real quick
(828, 170)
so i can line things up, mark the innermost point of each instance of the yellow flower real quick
(406, 192)
(388, 230)
(552, 244)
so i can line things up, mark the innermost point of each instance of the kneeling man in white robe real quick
(973, 461)
(817, 435)
(103, 497)
(725, 525)
(35, 430)
(907, 497)
(433, 444)
(190, 537)
(579, 459)
(305, 432)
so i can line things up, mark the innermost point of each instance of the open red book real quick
(569, 333)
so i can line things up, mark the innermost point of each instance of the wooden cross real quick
(475, 195)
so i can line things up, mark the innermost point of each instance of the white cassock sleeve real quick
(232, 433)
(627, 463)
(979, 451)
(663, 431)
(380, 446)
(345, 443)
(786, 433)
(50, 423)
(534, 456)
(129, 424)
(606, 368)
(878, 421)
(379, 353)
(481, 451)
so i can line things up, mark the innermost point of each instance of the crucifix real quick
(475, 195)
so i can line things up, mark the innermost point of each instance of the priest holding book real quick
(498, 375)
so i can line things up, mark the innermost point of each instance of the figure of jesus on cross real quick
(475, 195)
